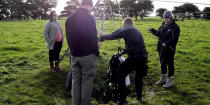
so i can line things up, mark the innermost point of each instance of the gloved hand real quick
(100, 33)
(119, 54)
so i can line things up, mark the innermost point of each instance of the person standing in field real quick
(136, 60)
(82, 40)
(168, 35)
(53, 34)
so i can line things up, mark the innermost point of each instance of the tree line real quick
(138, 8)
(131, 8)
(187, 10)
(24, 9)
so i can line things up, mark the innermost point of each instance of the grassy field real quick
(25, 78)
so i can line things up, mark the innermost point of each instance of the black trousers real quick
(132, 63)
(167, 59)
(54, 54)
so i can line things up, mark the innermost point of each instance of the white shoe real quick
(169, 82)
(162, 80)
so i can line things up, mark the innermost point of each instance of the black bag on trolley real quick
(111, 92)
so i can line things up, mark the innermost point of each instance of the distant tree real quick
(72, 5)
(110, 9)
(16, 9)
(115, 7)
(4, 12)
(191, 9)
(160, 11)
(144, 8)
(19, 9)
(98, 11)
(179, 9)
(11, 9)
(179, 12)
(39, 8)
(188, 9)
(136, 8)
(206, 11)
(128, 8)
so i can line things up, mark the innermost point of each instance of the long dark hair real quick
(51, 15)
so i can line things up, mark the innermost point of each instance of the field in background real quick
(25, 78)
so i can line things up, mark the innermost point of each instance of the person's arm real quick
(175, 37)
(154, 32)
(46, 32)
(92, 32)
(61, 27)
(67, 31)
(115, 35)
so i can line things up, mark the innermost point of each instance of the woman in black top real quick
(168, 35)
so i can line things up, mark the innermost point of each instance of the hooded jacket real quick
(168, 35)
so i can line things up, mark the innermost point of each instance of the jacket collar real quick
(83, 10)
(170, 25)
(128, 26)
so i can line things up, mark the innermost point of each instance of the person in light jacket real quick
(53, 34)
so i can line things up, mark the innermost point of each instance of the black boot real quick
(52, 67)
(57, 67)
(122, 102)
(139, 99)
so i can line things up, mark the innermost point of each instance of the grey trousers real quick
(83, 73)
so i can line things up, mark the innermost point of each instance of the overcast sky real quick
(168, 4)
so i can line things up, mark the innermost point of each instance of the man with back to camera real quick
(82, 39)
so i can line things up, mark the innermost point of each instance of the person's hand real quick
(150, 29)
(119, 54)
(98, 44)
(100, 33)
(163, 44)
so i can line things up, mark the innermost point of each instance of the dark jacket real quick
(81, 33)
(133, 40)
(168, 35)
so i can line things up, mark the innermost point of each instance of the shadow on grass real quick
(53, 84)
(186, 95)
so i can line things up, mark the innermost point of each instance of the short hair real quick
(128, 20)
(51, 16)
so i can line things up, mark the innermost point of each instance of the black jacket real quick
(133, 40)
(168, 35)
(81, 33)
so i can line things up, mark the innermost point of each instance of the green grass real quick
(25, 78)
